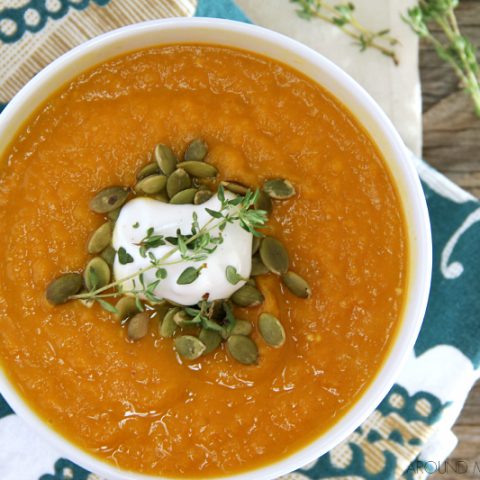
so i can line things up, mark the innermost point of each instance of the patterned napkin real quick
(409, 434)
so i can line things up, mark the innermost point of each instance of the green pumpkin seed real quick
(165, 158)
(109, 255)
(296, 284)
(247, 296)
(161, 197)
(202, 196)
(152, 184)
(189, 347)
(242, 327)
(179, 180)
(149, 169)
(279, 189)
(138, 326)
(274, 255)
(199, 169)
(235, 187)
(251, 281)
(258, 268)
(271, 330)
(210, 339)
(114, 214)
(184, 197)
(263, 202)
(100, 238)
(216, 310)
(161, 307)
(168, 326)
(242, 349)
(256, 244)
(126, 307)
(63, 287)
(97, 273)
(182, 318)
(108, 199)
(196, 150)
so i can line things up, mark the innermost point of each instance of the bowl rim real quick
(419, 284)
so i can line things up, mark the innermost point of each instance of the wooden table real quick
(452, 145)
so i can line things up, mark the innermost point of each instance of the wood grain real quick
(452, 145)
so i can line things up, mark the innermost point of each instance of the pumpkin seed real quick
(168, 326)
(242, 327)
(216, 310)
(126, 307)
(151, 168)
(114, 214)
(296, 284)
(109, 255)
(258, 268)
(247, 296)
(242, 349)
(97, 273)
(100, 238)
(161, 197)
(279, 189)
(199, 169)
(210, 339)
(251, 281)
(177, 181)
(189, 347)
(165, 158)
(274, 255)
(196, 150)
(138, 326)
(263, 202)
(108, 199)
(235, 187)
(202, 196)
(184, 197)
(152, 184)
(271, 330)
(63, 287)
(256, 244)
(181, 318)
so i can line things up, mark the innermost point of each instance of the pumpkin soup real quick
(142, 329)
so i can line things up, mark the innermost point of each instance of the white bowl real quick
(321, 70)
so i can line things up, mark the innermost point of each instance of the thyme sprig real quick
(342, 16)
(452, 47)
(193, 247)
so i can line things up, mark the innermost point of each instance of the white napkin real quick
(395, 88)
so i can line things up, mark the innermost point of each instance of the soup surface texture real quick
(136, 404)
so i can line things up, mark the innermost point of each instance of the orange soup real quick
(135, 404)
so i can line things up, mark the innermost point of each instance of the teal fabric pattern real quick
(220, 9)
(437, 376)
(17, 16)
(66, 470)
(455, 279)
(4, 408)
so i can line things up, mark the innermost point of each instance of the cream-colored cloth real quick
(395, 88)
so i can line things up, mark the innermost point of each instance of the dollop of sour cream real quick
(141, 214)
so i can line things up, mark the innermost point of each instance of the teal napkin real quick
(409, 435)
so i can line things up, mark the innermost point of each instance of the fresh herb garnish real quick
(150, 241)
(450, 45)
(190, 274)
(136, 225)
(233, 276)
(193, 247)
(342, 16)
(124, 257)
